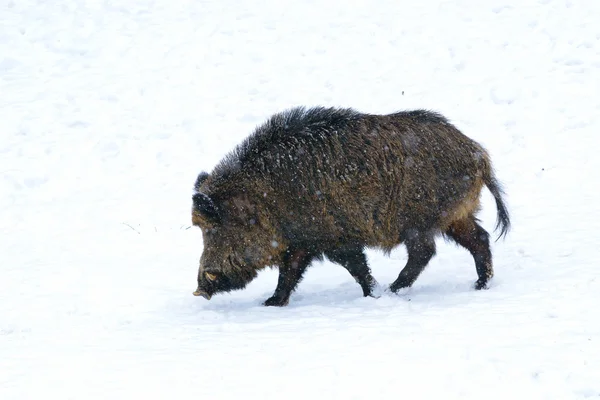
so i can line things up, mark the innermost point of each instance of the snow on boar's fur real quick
(331, 182)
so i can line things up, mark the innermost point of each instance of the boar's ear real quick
(199, 180)
(204, 208)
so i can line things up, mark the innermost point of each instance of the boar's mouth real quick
(223, 283)
(200, 292)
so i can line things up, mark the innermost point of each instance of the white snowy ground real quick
(108, 110)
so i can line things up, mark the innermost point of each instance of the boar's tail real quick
(503, 218)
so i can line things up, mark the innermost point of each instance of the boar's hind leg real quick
(470, 235)
(290, 273)
(355, 261)
(420, 248)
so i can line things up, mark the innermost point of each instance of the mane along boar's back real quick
(327, 181)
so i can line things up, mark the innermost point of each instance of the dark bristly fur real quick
(331, 182)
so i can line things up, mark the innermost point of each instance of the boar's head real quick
(238, 241)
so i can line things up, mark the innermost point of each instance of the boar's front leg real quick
(294, 264)
(355, 261)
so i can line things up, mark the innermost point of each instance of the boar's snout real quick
(200, 292)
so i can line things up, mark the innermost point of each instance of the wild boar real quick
(314, 182)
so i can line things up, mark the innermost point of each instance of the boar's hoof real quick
(481, 284)
(375, 291)
(276, 301)
(396, 286)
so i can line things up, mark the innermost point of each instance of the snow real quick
(108, 112)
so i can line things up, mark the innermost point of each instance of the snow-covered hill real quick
(108, 110)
